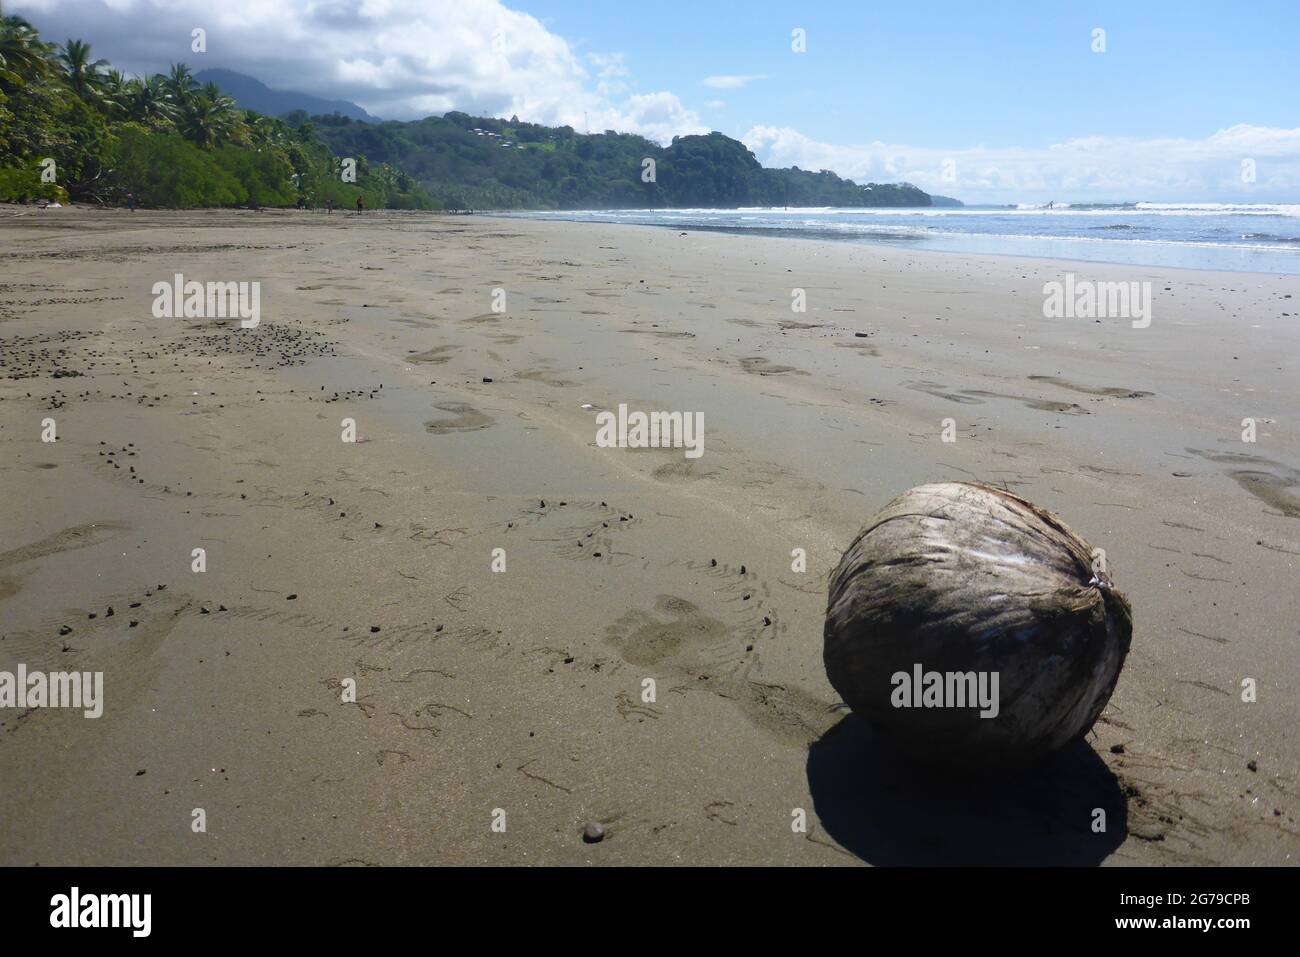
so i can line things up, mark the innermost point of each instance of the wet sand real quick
(521, 691)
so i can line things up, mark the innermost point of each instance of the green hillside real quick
(72, 128)
(477, 162)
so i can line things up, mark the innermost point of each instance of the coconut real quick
(968, 626)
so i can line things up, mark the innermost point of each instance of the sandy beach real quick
(518, 696)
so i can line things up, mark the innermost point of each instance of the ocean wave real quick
(1271, 238)
(1290, 210)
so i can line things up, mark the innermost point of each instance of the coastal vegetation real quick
(476, 162)
(73, 128)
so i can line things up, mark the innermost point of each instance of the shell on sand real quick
(959, 577)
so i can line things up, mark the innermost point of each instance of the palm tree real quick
(115, 83)
(264, 131)
(180, 84)
(147, 101)
(23, 57)
(206, 121)
(113, 91)
(83, 75)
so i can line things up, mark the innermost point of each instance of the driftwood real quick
(960, 578)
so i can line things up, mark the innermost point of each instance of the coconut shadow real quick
(891, 813)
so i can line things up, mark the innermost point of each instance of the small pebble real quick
(593, 833)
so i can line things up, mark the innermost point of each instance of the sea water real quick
(1238, 237)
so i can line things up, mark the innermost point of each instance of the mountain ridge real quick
(252, 94)
(485, 162)
(488, 162)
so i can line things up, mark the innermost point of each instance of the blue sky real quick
(987, 101)
(945, 74)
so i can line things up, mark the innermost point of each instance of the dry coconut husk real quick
(960, 578)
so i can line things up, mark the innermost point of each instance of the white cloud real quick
(608, 64)
(399, 59)
(658, 116)
(611, 74)
(732, 82)
(1099, 168)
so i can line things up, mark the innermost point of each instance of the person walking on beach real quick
(360, 204)
(329, 206)
(130, 201)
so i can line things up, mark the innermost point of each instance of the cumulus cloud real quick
(1099, 168)
(734, 82)
(658, 116)
(399, 59)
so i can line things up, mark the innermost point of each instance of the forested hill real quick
(251, 94)
(479, 163)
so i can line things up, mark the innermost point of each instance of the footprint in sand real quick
(940, 391)
(680, 639)
(1273, 490)
(464, 418)
(436, 356)
(546, 377)
(977, 396)
(676, 629)
(758, 365)
(1114, 392)
(77, 536)
(862, 348)
(678, 471)
(1273, 485)
(662, 333)
(1043, 405)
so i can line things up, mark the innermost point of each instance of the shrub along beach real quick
(73, 129)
